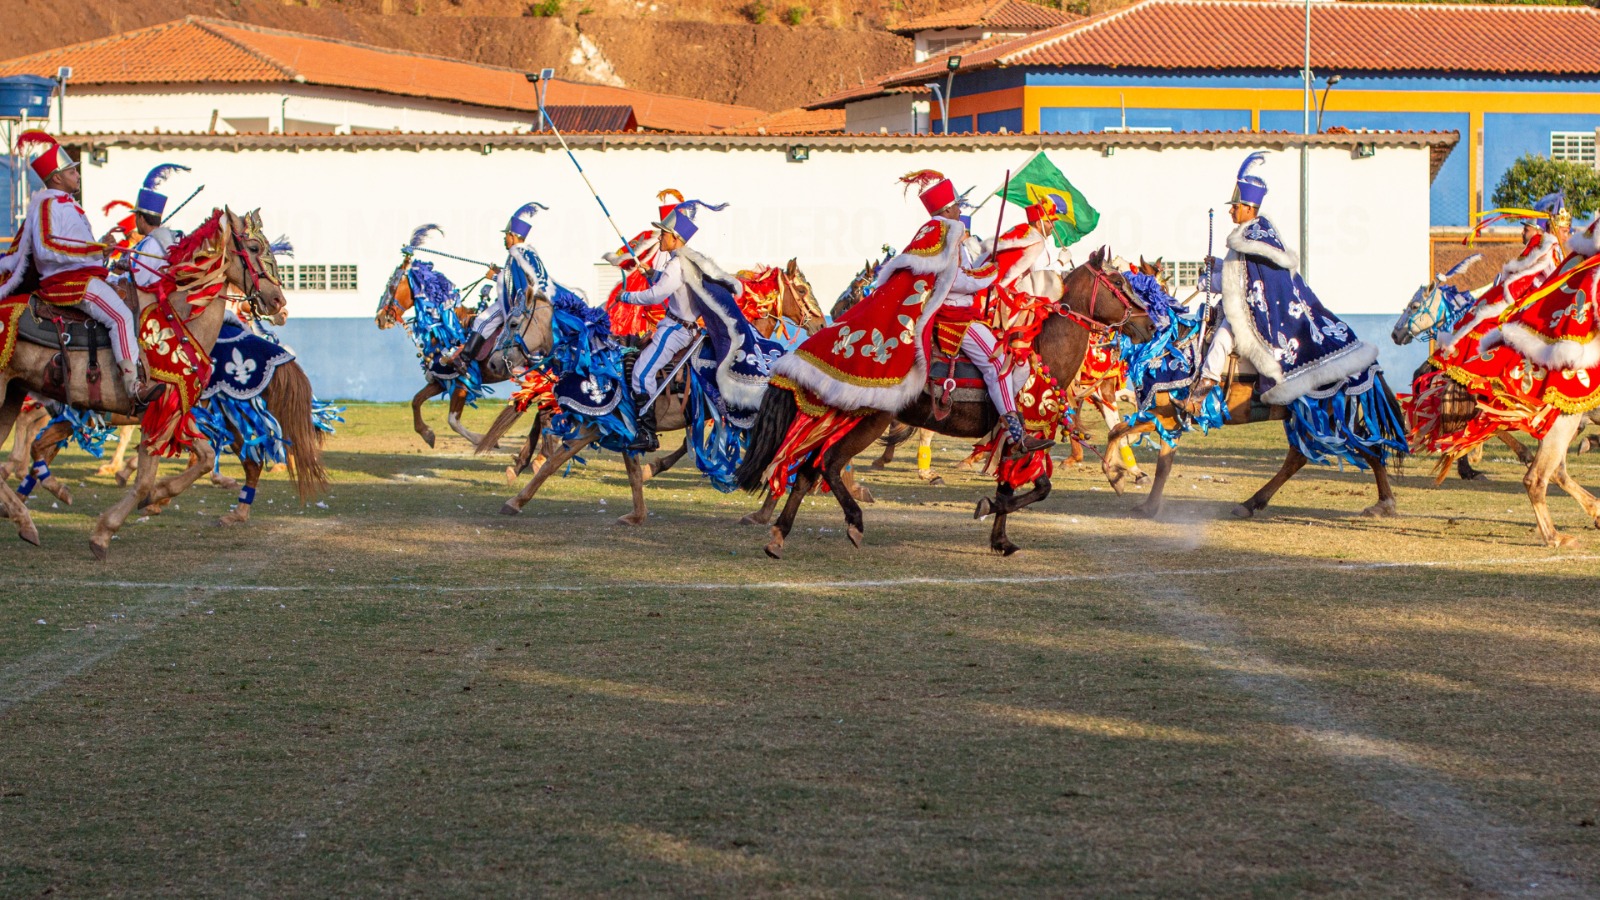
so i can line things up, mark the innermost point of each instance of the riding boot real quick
(1021, 443)
(1196, 400)
(468, 351)
(645, 440)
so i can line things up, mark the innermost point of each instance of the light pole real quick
(944, 109)
(1323, 106)
(541, 81)
(62, 74)
(951, 65)
(1308, 90)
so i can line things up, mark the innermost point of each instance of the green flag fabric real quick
(1040, 179)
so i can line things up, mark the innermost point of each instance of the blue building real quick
(1510, 79)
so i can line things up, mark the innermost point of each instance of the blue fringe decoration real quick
(436, 330)
(717, 445)
(1359, 414)
(89, 429)
(582, 345)
(262, 437)
(324, 414)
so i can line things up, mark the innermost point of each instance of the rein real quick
(1095, 326)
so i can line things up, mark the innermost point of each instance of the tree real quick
(1532, 176)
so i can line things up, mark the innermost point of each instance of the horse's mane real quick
(185, 249)
(432, 287)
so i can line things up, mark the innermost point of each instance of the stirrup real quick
(1027, 447)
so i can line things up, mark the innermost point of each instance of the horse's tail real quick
(898, 434)
(289, 400)
(498, 429)
(778, 409)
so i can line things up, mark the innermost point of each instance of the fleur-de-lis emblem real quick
(845, 345)
(157, 338)
(907, 326)
(241, 368)
(880, 347)
(592, 389)
(1288, 349)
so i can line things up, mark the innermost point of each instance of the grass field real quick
(405, 693)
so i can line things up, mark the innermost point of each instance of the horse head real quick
(251, 266)
(799, 300)
(397, 298)
(1435, 307)
(1099, 291)
(1157, 269)
(856, 289)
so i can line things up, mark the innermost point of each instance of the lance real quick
(196, 192)
(102, 245)
(663, 383)
(410, 250)
(1200, 347)
(626, 244)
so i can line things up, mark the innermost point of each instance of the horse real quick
(1091, 296)
(788, 297)
(1438, 309)
(226, 249)
(438, 325)
(1103, 377)
(1239, 405)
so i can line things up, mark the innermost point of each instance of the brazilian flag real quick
(1040, 179)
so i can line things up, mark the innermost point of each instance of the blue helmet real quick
(681, 220)
(1250, 189)
(151, 201)
(522, 220)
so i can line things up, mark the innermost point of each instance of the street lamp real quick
(1308, 90)
(944, 108)
(541, 80)
(950, 65)
(1322, 107)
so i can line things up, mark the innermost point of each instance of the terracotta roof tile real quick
(1247, 34)
(798, 120)
(198, 49)
(910, 81)
(1008, 15)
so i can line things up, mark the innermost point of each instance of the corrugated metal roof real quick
(592, 118)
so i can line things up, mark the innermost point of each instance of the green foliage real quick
(796, 14)
(1533, 176)
(544, 9)
(757, 11)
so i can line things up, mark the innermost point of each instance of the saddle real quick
(1242, 395)
(64, 329)
(952, 380)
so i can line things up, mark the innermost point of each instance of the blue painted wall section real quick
(992, 122)
(1068, 119)
(1508, 136)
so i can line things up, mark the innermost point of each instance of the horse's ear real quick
(792, 268)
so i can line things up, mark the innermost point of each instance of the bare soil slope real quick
(653, 47)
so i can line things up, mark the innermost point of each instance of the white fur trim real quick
(737, 392)
(1555, 355)
(1543, 257)
(1585, 242)
(1238, 243)
(1332, 371)
(1031, 244)
(1246, 341)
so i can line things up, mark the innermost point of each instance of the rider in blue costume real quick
(511, 281)
(1272, 320)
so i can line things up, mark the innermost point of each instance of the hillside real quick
(697, 48)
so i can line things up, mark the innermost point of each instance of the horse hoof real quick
(64, 495)
(98, 549)
(30, 534)
(1140, 479)
(878, 465)
(1146, 511)
(1004, 548)
(863, 494)
(1383, 509)
(428, 437)
(1243, 512)
(630, 519)
(1562, 540)
(774, 550)
(934, 481)
(510, 509)
(1115, 480)
(855, 535)
(756, 518)
(122, 480)
(983, 508)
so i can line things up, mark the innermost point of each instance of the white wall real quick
(1370, 228)
(103, 110)
(899, 113)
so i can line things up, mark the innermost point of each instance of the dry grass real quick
(407, 694)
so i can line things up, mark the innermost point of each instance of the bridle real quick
(1130, 309)
(1435, 303)
(253, 274)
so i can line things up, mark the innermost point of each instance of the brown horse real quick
(1092, 293)
(227, 248)
(793, 301)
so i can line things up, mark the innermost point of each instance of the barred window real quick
(341, 278)
(286, 275)
(1186, 273)
(312, 278)
(1573, 146)
(937, 46)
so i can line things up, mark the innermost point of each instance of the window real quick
(311, 278)
(341, 278)
(1574, 146)
(1185, 274)
(937, 46)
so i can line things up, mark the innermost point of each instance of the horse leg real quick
(884, 458)
(1517, 447)
(13, 506)
(763, 515)
(1257, 502)
(858, 489)
(1075, 457)
(1591, 506)
(1109, 412)
(247, 495)
(201, 458)
(1112, 462)
(1547, 460)
(925, 459)
(834, 460)
(636, 479)
(529, 453)
(429, 391)
(665, 461)
(1005, 502)
(804, 480)
(118, 458)
(1151, 507)
(552, 463)
(111, 521)
(26, 429)
(44, 449)
(224, 481)
(1385, 507)
(458, 403)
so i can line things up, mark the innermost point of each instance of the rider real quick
(57, 245)
(636, 260)
(680, 279)
(522, 271)
(149, 259)
(1272, 320)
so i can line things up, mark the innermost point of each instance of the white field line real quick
(1488, 851)
(908, 581)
